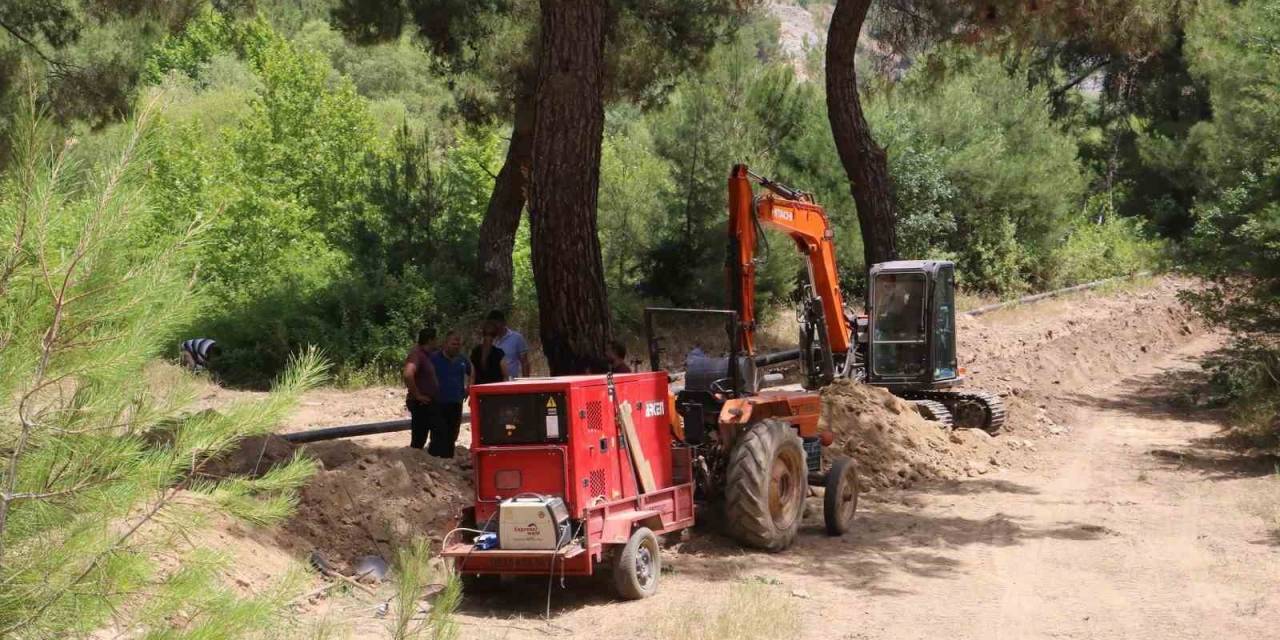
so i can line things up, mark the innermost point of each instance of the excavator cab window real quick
(899, 333)
(944, 325)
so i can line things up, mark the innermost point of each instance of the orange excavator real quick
(905, 342)
(755, 449)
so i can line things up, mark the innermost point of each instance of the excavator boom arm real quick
(806, 223)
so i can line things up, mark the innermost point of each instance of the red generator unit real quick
(574, 475)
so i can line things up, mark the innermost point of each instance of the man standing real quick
(618, 357)
(452, 371)
(422, 385)
(488, 363)
(515, 350)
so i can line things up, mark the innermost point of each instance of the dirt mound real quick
(363, 500)
(252, 457)
(370, 501)
(1037, 355)
(892, 445)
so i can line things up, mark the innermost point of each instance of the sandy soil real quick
(1104, 510)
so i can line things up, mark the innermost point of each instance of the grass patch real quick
(752, 611)
(414, 574)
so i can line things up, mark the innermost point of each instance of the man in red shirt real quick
(422, 385)
(618, 357)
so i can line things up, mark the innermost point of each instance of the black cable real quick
(485, 528)
(763, 240)
(552, 575)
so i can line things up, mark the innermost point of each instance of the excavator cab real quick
(911, 325)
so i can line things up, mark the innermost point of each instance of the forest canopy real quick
(344, 167)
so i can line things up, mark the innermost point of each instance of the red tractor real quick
(573, 475)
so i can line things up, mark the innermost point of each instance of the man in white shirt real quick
(514, 348)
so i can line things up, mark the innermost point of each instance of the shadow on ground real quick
(1172, 392)
(893, 534)
(887, 538)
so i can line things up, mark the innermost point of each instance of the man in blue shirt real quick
(514, 348)
(452, 372)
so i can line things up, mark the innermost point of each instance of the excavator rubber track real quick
(935, 411)
(959, 403)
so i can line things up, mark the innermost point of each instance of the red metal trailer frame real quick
(590, 468)
(610, 523)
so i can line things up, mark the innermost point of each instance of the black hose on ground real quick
(392, 426)
(348, 431)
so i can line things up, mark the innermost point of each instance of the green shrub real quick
(325, 232)
(1096, 249)
(1015, 174)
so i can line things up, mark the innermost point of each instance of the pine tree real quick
(567, 134)
(102, 468)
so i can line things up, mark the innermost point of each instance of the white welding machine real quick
(533, 522)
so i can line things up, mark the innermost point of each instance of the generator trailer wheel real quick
(635, 573)
(841, 497)
(766, 484)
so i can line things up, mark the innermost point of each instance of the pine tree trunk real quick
(865, 163)
(502, 217)
(567, 133)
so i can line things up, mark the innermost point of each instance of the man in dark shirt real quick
(618, 357)
(422, 385)
(488, 362)
(452, 371)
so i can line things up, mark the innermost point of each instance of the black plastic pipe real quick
(348, 431)
(777, 357)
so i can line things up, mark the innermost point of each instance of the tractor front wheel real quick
(841, 498)
(636, 568)
(766, 486)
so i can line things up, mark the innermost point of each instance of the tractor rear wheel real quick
(766, 486)
(636, 568)
(841, 498)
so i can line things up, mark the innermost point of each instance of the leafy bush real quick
(1015, 174)
(1235, 244)
(1236, 240)
(1101, 246)
(325, 232)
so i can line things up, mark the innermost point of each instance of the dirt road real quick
(1128, 524)
(1104, 511)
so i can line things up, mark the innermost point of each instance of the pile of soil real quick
(1035, 357)
(372, 501)
(1038, 355)
(363, 500)
(893, 445)
(252, 457)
